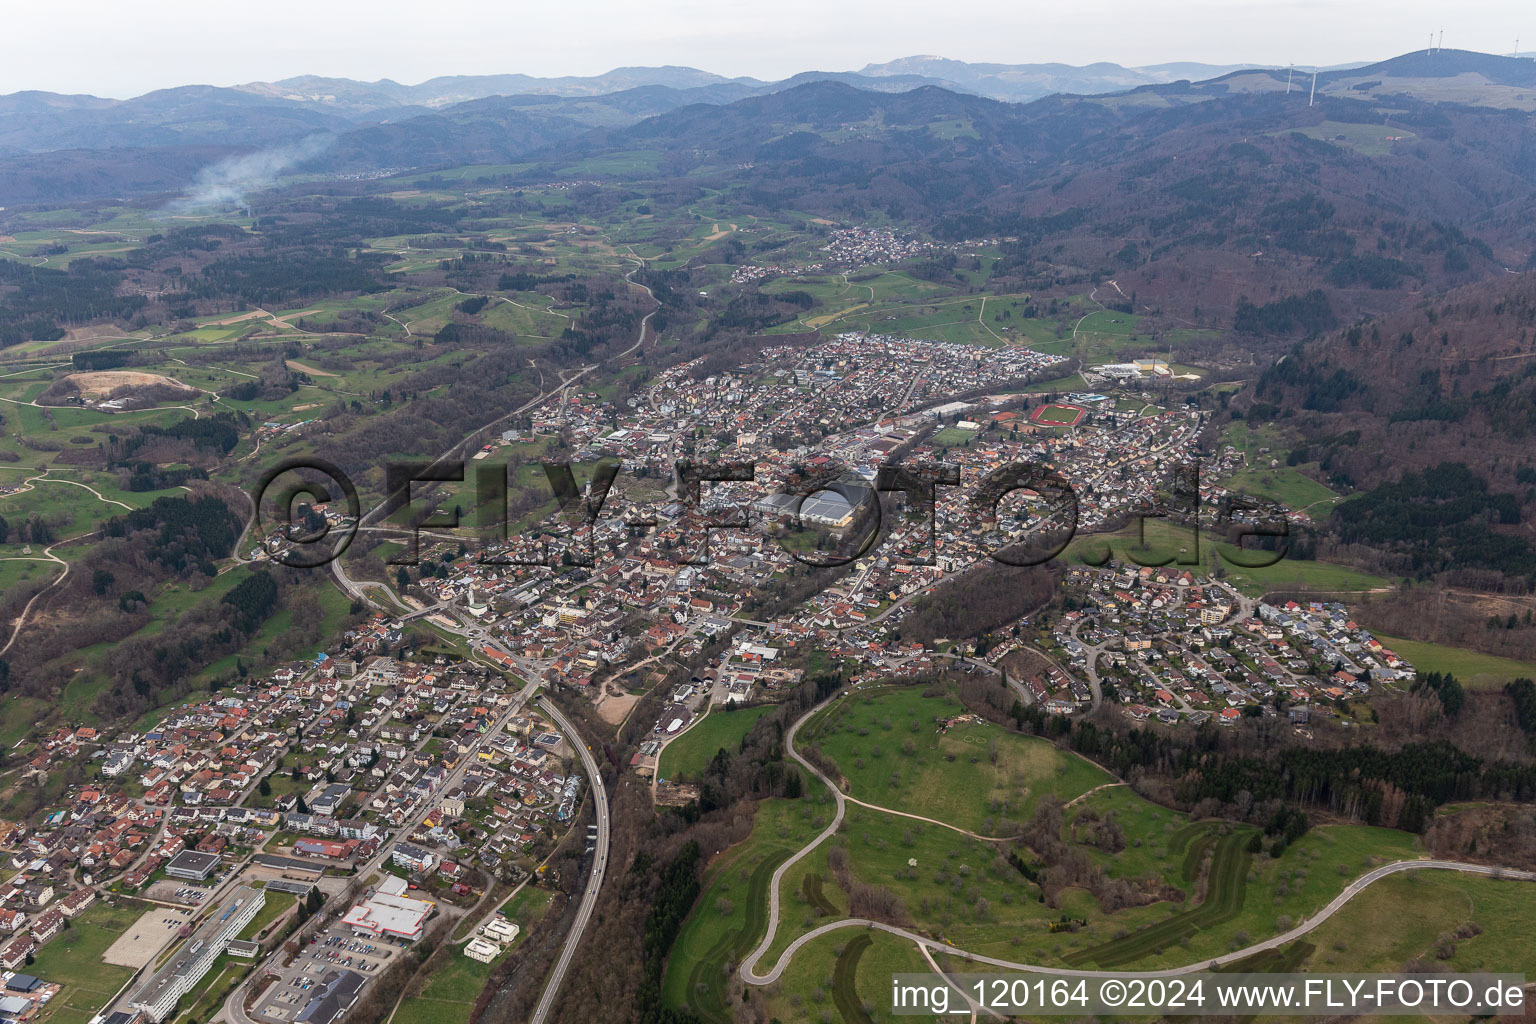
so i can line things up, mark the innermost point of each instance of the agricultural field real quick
(1372, 933)
(964, 891)
(687, 756)
(1269, 476)
(1287, 485)
(1366, 139)
(73, 960)
(1156, 541)
(1474, 669)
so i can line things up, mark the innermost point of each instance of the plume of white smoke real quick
(228, 182)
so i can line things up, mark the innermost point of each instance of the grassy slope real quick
(689, 754)
(732, 913)
(450, 992)
(951, 777)
(1165, 540)
(1474, 669)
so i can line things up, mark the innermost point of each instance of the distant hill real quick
(264, 114)
(1020, 83)
(355, 98)
(194, 115)
(1012, 82)
(1190, 201)
(976, 166)
(1451, 379)
(1448, 76)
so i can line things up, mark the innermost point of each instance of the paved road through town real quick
(599, 865)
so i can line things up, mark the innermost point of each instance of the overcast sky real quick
(120, 49)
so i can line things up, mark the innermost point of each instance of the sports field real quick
(74, 960)
(1059, 415)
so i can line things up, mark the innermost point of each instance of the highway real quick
(594, 881)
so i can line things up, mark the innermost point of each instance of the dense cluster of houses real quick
(606, 592)
(1174, 645)
(850, 248)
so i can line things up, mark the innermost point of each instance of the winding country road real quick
(750, 975)
(49, 556)
(778, 875)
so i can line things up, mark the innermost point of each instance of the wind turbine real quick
(1313, 98)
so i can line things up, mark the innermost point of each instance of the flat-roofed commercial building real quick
(158, 998)
(501, 930)
(384, 915)
(192, 865)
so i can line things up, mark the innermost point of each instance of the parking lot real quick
(171, 891)
(334, 949)
(142, 942)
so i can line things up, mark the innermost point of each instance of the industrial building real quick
(824, 508)
(388, 913)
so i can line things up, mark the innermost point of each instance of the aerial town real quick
(391, 789)
(494, 541)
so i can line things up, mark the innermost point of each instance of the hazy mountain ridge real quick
(145, 120)
(1454, 76)
(1023, 82)
(511, 128)
(353, 97)
(1249, 195)
(193, 115)
(38, 122)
